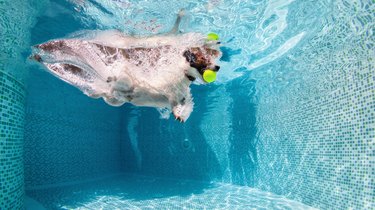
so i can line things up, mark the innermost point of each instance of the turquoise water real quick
(289, 124)
(140, 192)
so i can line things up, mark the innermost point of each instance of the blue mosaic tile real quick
(316, 133)
(68, 136)
(12, 95)
(16, 20)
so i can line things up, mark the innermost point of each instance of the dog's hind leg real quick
(175, 29)
(121, 91)
(72, 61)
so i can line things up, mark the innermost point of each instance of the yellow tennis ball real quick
(212, 37)
(209, 76)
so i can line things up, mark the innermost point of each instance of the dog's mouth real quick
(202, 59)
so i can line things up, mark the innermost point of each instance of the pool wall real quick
(317, 128)
(16, 19)
(64, 139)
(12, 105)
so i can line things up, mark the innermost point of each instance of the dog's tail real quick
(176, 26)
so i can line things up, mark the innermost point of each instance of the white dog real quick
(151, 71)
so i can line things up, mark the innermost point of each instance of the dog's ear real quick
(196, 59)
(190, 57)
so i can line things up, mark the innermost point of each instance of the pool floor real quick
(140, 192)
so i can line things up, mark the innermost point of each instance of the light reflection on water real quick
(139, 192)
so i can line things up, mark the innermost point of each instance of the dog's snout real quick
(217, 68)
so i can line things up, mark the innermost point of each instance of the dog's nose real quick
(217, 68)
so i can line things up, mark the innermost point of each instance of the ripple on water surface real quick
(139, 192)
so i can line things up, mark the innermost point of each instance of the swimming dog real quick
(153, 71)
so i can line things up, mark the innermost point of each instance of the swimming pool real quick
(289, 124)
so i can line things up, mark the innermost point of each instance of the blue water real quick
(140, 192)
(289, 123)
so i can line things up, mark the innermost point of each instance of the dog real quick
(154, 71)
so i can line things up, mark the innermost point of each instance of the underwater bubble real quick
(186, 144)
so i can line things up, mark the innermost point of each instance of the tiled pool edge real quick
(12, 113)
(317, 136)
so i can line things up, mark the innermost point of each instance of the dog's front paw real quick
(177, 114)
(182, 112)
(179, 119)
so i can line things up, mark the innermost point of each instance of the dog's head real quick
(201, 59)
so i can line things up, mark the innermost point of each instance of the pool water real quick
(140, 192)
(289, 123)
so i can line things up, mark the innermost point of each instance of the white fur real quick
(149, 71)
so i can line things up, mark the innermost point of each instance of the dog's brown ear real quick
(196, 60)
(190, 57)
